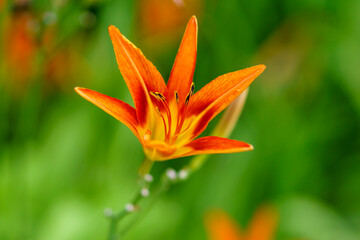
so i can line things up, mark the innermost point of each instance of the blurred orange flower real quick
(20, 46)
(167, 118)
(163, 16)
(262, 227)
(2, 3)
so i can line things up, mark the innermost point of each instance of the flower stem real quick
(115, 218)
(163, 186)
(145, 167)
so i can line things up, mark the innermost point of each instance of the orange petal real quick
(211, 145)
(158, 150)
(116, 108)
(221, 227)
(140, 74)
(182, 72)
(217, 95)
(263, 224)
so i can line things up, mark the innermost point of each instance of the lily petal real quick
(212, 145)
(140, 75)
(182, 72)
(221, 227)
(263, 225)
(116, 108)
(217, 95)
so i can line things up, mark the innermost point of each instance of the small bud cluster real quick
(108, 212)
(183, 174)
(173, 175)
(148, 177)
(130, 207)
(145, 192)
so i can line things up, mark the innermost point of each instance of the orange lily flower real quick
(20, 47)
(167, 118)
(160, 17)
(262, 227)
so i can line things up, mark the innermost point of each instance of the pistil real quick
(167, 127)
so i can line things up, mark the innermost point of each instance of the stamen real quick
(191, 92)
(158, 111)
(165, 128)
(178, 133)
(187, 99)
(168, 113)
(162, 99)
(192, 88)
(161, 96)
(181, 118)
(176, 97)
(158, 96)
(154, 94)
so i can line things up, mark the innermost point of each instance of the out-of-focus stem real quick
(145, 167)
(161, 188)
(130, 207)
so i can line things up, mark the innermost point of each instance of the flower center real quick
(165, 113)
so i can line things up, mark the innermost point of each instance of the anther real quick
(161, 96)
(158, 111)
(187, 99)
(191, 92)
(192, 88)
(158, 96)
(176, 96)
(154, 95)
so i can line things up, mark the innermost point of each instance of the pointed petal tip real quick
(114, 31)
(261, 67)
(256, 70)
(78, 89)
(112, 28)
(81, 91)
(193, 19)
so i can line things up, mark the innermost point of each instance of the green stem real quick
(164, 185)
(116, 218)
(112, 231)
(145, 167)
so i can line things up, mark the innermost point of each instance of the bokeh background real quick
(62, 160)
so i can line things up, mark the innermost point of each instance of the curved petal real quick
(140, 74)
(211, 145)
(116, 108)
(217, 95)
(158, 150)
(221, 227)
(182, 72)
(263, 225)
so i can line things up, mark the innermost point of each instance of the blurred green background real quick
(62, 160)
